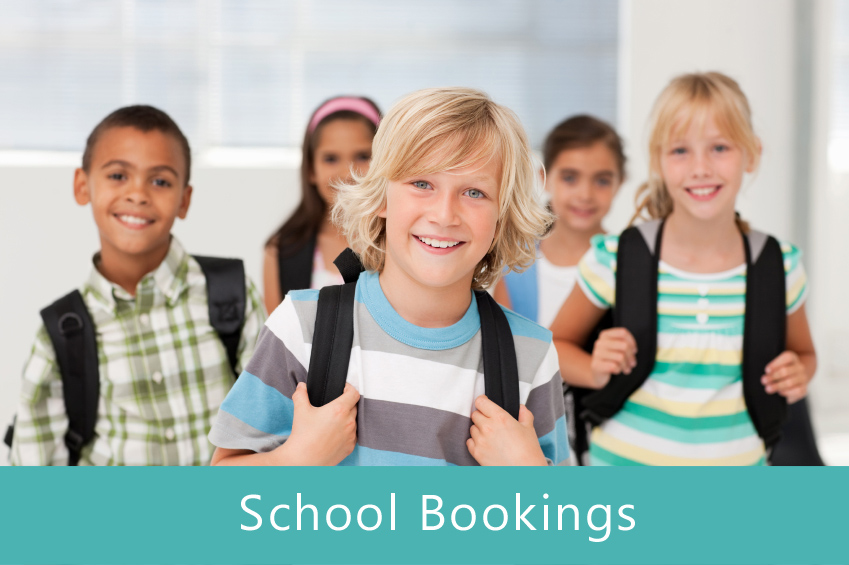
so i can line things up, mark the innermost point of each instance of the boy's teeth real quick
(438, 243)
(132, 220)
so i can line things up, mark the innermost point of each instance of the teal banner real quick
(424, 515)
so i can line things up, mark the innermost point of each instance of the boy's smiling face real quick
(439, 226)
(136, 184)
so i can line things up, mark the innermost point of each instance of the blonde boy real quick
(446, 206)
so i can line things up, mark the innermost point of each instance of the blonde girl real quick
(690, 410)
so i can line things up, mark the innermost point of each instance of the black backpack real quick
(72, 333)
(295, 267)
(763, 339)
(334, 336)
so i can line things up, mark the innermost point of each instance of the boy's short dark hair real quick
(143, 118)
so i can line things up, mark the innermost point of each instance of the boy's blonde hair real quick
(444, 129)
(697, 96)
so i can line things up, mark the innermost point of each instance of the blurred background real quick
(241, 78)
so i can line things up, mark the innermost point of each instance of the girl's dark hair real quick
(306, 219)
(583, 131)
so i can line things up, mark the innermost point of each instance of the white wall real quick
(750, 40)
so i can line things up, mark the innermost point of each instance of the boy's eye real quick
(116, 176)
(161, 182)
(421, 184)
(475, 193)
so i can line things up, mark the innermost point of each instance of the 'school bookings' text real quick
(543, 515)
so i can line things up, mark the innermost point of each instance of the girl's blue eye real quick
(329, 158)
(364, 157)
(420, 184)
(679, 151)
(475, 193)
(604, 181)
(569, 179)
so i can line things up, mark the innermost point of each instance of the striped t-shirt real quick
(417, 385)
(690, 410)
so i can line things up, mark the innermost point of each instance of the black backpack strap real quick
(764, 333)
(332, 340)
(74, 340)
(798, 445)
(349, 264)
(636, 310)
(574, 398)
(500, 369)
(333, 335)
(226, 297)
(295, 268)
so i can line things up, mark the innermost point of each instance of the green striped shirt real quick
(163, 373)
(690, 410)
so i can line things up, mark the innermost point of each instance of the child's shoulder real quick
(603, 249)
(792, 255)
(524, 327)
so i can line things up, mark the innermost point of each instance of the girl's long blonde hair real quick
(695, 96)
(443, 129)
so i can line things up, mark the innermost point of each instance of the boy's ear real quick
(81, 191)
(184, 202)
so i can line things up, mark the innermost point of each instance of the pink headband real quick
(350, 104)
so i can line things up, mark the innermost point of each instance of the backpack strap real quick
(226, 298)
(635, 309)
(72, 334)
(295, 269)
(333, 335)
(332, 340)
(764, 332)
(500, 369)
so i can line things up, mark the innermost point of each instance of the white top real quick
(321, 277)
(554, 283)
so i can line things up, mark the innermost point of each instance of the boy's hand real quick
(615, 351)
(786, 375)
(498, 439)
(324, 435)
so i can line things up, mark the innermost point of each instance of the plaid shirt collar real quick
(169, 278)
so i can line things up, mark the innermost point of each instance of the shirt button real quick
(704, 289)
(702, 317)
(157, 377)
(144, 319)
(169, 434)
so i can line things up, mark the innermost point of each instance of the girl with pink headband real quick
(300, 253)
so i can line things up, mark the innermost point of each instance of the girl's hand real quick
(786, 375)
(615, 351)
(498, 439)
(324, 435)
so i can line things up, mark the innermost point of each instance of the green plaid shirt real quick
(163, 373)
